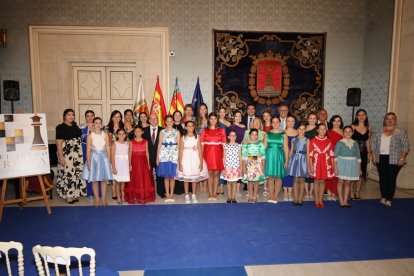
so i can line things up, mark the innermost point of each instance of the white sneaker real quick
(194, 198)
(187, 199)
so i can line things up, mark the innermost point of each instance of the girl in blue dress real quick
(98, 166)
(298, 166)
(86, 129)
(348, 164)
(167, 158)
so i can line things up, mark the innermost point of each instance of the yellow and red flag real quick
(158, 105)
(140, 103)
(176, 101)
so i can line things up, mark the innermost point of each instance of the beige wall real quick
(191, 24)
(401, 97)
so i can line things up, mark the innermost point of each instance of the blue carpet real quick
(216, 271)
(155, 237)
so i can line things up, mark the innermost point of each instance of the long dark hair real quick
(66, 113)
(185, 129)
(89, 111)
(198, 117)
(333, 118)
(356, 122)
(111, 123)
(212, 114)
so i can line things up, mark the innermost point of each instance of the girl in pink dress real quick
(320, 162)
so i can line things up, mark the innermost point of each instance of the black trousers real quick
(387, 176)
(159, 182)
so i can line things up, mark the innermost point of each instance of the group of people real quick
(306, 158)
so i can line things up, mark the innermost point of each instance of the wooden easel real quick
(23, 195)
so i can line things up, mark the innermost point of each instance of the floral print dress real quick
(68, 179)
(254, 154)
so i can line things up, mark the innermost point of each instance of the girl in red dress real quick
(212, 139)
(141, 187)
(335, 134)
(320, 162)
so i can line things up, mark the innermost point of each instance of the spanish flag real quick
(158, 105)
(140, 103)
(177, 100)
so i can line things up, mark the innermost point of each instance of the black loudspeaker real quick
(11, 90)
(353, 97)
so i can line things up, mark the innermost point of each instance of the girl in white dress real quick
(191, 165)
(120, 164)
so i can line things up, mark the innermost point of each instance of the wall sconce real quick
(3, 37)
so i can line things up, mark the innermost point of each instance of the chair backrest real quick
(61, 255)
(5, 247)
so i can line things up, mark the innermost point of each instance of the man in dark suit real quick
(250, 115)
(151, 134)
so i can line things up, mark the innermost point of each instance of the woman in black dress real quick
(70, 159)
(362, 135)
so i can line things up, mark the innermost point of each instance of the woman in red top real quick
(335, 134)
(212, 139)
(320, 162)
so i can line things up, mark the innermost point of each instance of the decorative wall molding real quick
(55, 49)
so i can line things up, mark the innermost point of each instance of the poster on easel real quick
(23, 145)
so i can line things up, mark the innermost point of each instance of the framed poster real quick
(23, 145)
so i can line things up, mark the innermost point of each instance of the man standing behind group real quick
(323, 117)
(283, 114)
(251, 114)
(151, 134)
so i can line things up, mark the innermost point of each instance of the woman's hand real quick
(401, 162)
(114, 170)
(62, 162)
(310, 169)
(201, 166)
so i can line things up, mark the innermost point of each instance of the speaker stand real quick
(352, 115)
(12, 107)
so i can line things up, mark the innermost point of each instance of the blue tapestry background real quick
(235, 70)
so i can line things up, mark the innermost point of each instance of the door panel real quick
(103, 89)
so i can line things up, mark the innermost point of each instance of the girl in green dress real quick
(253, 156)
(277, 159)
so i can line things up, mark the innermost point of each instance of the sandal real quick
(250, 200)
(357, 197)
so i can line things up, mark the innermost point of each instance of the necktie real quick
(283, 124)
(153, 135)
(250, 122)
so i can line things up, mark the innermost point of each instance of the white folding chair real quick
(61, 256)
(5, 247)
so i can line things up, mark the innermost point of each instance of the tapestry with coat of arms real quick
(267, 69)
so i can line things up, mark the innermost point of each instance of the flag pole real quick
(176, 96)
